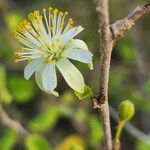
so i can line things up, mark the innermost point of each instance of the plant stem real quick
(116, 142)
(119, 131)
(105, 57)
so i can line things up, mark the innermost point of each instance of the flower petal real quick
(49, 77)
(71, 34)
(31, 67)
(78, 54)
(71, 74)
(38, 78)
(77, 43)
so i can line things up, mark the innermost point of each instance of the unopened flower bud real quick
(126, 110)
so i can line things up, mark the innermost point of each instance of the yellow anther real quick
(66, 13)
(36, 12)
(70, 20)
(50, 8)
(28, 23)
(44, 9)
(61, 13)
(31, 16)
(24, 22)
(48, 60)
(55, 11)
(62, 24)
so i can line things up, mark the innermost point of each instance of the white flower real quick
(48, 41)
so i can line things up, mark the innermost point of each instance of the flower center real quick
(43, 35)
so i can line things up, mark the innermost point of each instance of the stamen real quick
(42, 34)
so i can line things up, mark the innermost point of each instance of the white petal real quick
(71, 34)
(77, 43)
(71, 74)
(49, 78)
(31, 67)
(38, 78)
(78, 54)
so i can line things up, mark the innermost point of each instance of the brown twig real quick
(105, 54)
(13, 124)
(109, 35)
(121, 26)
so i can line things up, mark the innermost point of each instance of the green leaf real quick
(141, 145)
(36, 142)
(4, 94)
(21, 89)
(8, 140)
(45, 120)
(95, 127)
(86, 94)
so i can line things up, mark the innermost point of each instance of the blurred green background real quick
(66, 123)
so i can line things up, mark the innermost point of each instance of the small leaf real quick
(21, 89)
(8, 140)
(86, 94)
(36, 142)
(4, 94)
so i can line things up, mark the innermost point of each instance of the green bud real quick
(126, 110)
(86, 94)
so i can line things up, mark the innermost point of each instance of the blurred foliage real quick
(45, 120)
(72, 142)
(141, 145)
(12, 19)
(8, 140)
(64, 122)
(36, 142)
(126, 50)
(21, 89)
(5, 96)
